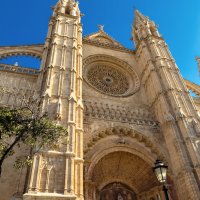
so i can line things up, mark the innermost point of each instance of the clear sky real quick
(26, 21)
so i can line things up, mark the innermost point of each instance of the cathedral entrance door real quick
(117, 191)
(119, 175)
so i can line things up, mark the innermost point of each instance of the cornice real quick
(35, 50)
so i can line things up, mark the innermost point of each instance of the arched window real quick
(43, 180)
(67, 11)
(52, 176)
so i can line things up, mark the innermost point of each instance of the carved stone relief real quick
(137, 116)
(117, 191)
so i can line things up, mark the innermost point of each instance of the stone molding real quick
(137, 116)
(44, 196)
(102, 39)
(28, 50)
(126, 132)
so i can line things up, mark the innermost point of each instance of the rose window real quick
(110, 75)
(108, 80)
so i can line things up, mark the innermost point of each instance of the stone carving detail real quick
(27, 50)
(136, 116)
(108, 80)
(101, 38)
(117, 191)
(50, 174)
(110, 75)
(149, 142)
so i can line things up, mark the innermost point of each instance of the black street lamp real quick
(160, 171)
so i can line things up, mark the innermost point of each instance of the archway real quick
(120, 156)
(121, 175)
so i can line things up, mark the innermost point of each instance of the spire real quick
(140, 18)
(198, 61)
(101, 28)
(143, 27)
(69, 7)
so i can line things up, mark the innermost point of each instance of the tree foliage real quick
(21, 126)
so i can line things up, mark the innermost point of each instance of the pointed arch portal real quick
(121, 175)
(121, 170)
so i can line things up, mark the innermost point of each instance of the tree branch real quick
(17, 139)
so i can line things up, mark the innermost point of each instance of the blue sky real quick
(25, 22)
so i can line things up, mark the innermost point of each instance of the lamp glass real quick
(161, 174)
(160, 171)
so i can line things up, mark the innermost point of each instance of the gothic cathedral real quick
(123, 109)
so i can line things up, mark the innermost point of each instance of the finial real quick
(16, 64)
(101, 27)
(198, 60)
(134, 7)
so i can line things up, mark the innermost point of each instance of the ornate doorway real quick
(121, 171)
(117, 191)
(119, 175)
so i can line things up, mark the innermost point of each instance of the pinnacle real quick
(101, 28)
(138, 13)
(64, 2)
(139, 16)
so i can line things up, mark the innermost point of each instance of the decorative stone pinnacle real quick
(101, 28)
(16, 64)
(198, 60)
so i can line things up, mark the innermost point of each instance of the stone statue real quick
(119, 197)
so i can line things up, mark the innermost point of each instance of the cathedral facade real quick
(123, 109)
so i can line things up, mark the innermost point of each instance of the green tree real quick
(22, 126)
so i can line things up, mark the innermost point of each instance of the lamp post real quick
(160, 170)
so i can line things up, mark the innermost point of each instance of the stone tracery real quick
(108, 80)
(110, 75)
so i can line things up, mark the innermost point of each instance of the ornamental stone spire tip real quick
(139, 17)
(198, 60)
(101, 28)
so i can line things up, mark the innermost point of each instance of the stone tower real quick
(123, 109)
(171, 103)
(60, 87)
